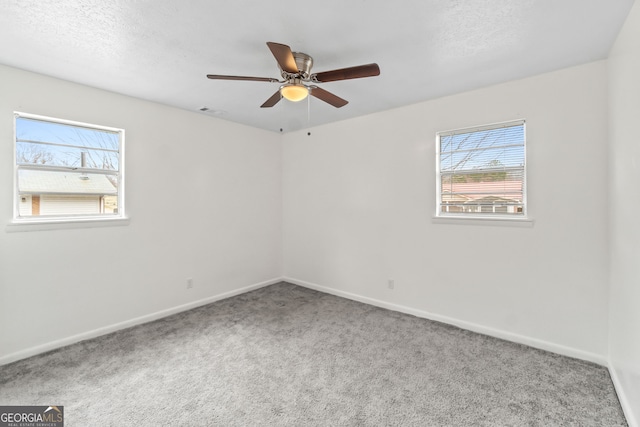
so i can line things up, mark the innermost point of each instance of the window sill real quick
(492, 221)
(63, 224)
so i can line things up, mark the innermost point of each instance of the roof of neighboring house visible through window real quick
(56, 182)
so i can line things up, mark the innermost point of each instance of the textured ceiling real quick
(161, 50)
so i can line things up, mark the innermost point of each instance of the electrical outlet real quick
(391, 284)
(189, 283)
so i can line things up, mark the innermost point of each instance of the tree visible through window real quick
(67, 170)
(481, 171)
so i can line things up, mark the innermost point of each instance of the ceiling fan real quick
(295, 69)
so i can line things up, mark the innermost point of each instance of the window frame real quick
(66, 221)
(477, 217)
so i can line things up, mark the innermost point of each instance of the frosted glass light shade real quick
(294, 92)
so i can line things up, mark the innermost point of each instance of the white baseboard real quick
(32, 351)
(509, 336)
(521, 339)
(622, 396)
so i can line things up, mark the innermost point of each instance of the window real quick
(67, 170)
(481, 171)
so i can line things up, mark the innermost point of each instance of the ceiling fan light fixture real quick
(294, 92)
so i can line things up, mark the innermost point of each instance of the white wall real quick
(624, 114)
(359, 197)
(203, 196)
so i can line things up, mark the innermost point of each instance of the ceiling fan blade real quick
(283, 55)
(254, 79)
(272, 101)
(368, 70)
(327, 97)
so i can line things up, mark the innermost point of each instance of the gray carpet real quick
(288, 356)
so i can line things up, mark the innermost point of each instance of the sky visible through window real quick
(488, 149)
(56, 144)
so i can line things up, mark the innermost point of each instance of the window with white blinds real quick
(481, 171)
(67, 170)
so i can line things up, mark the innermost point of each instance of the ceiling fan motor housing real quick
(304, 63)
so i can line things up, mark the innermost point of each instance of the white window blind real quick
(481, 171)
